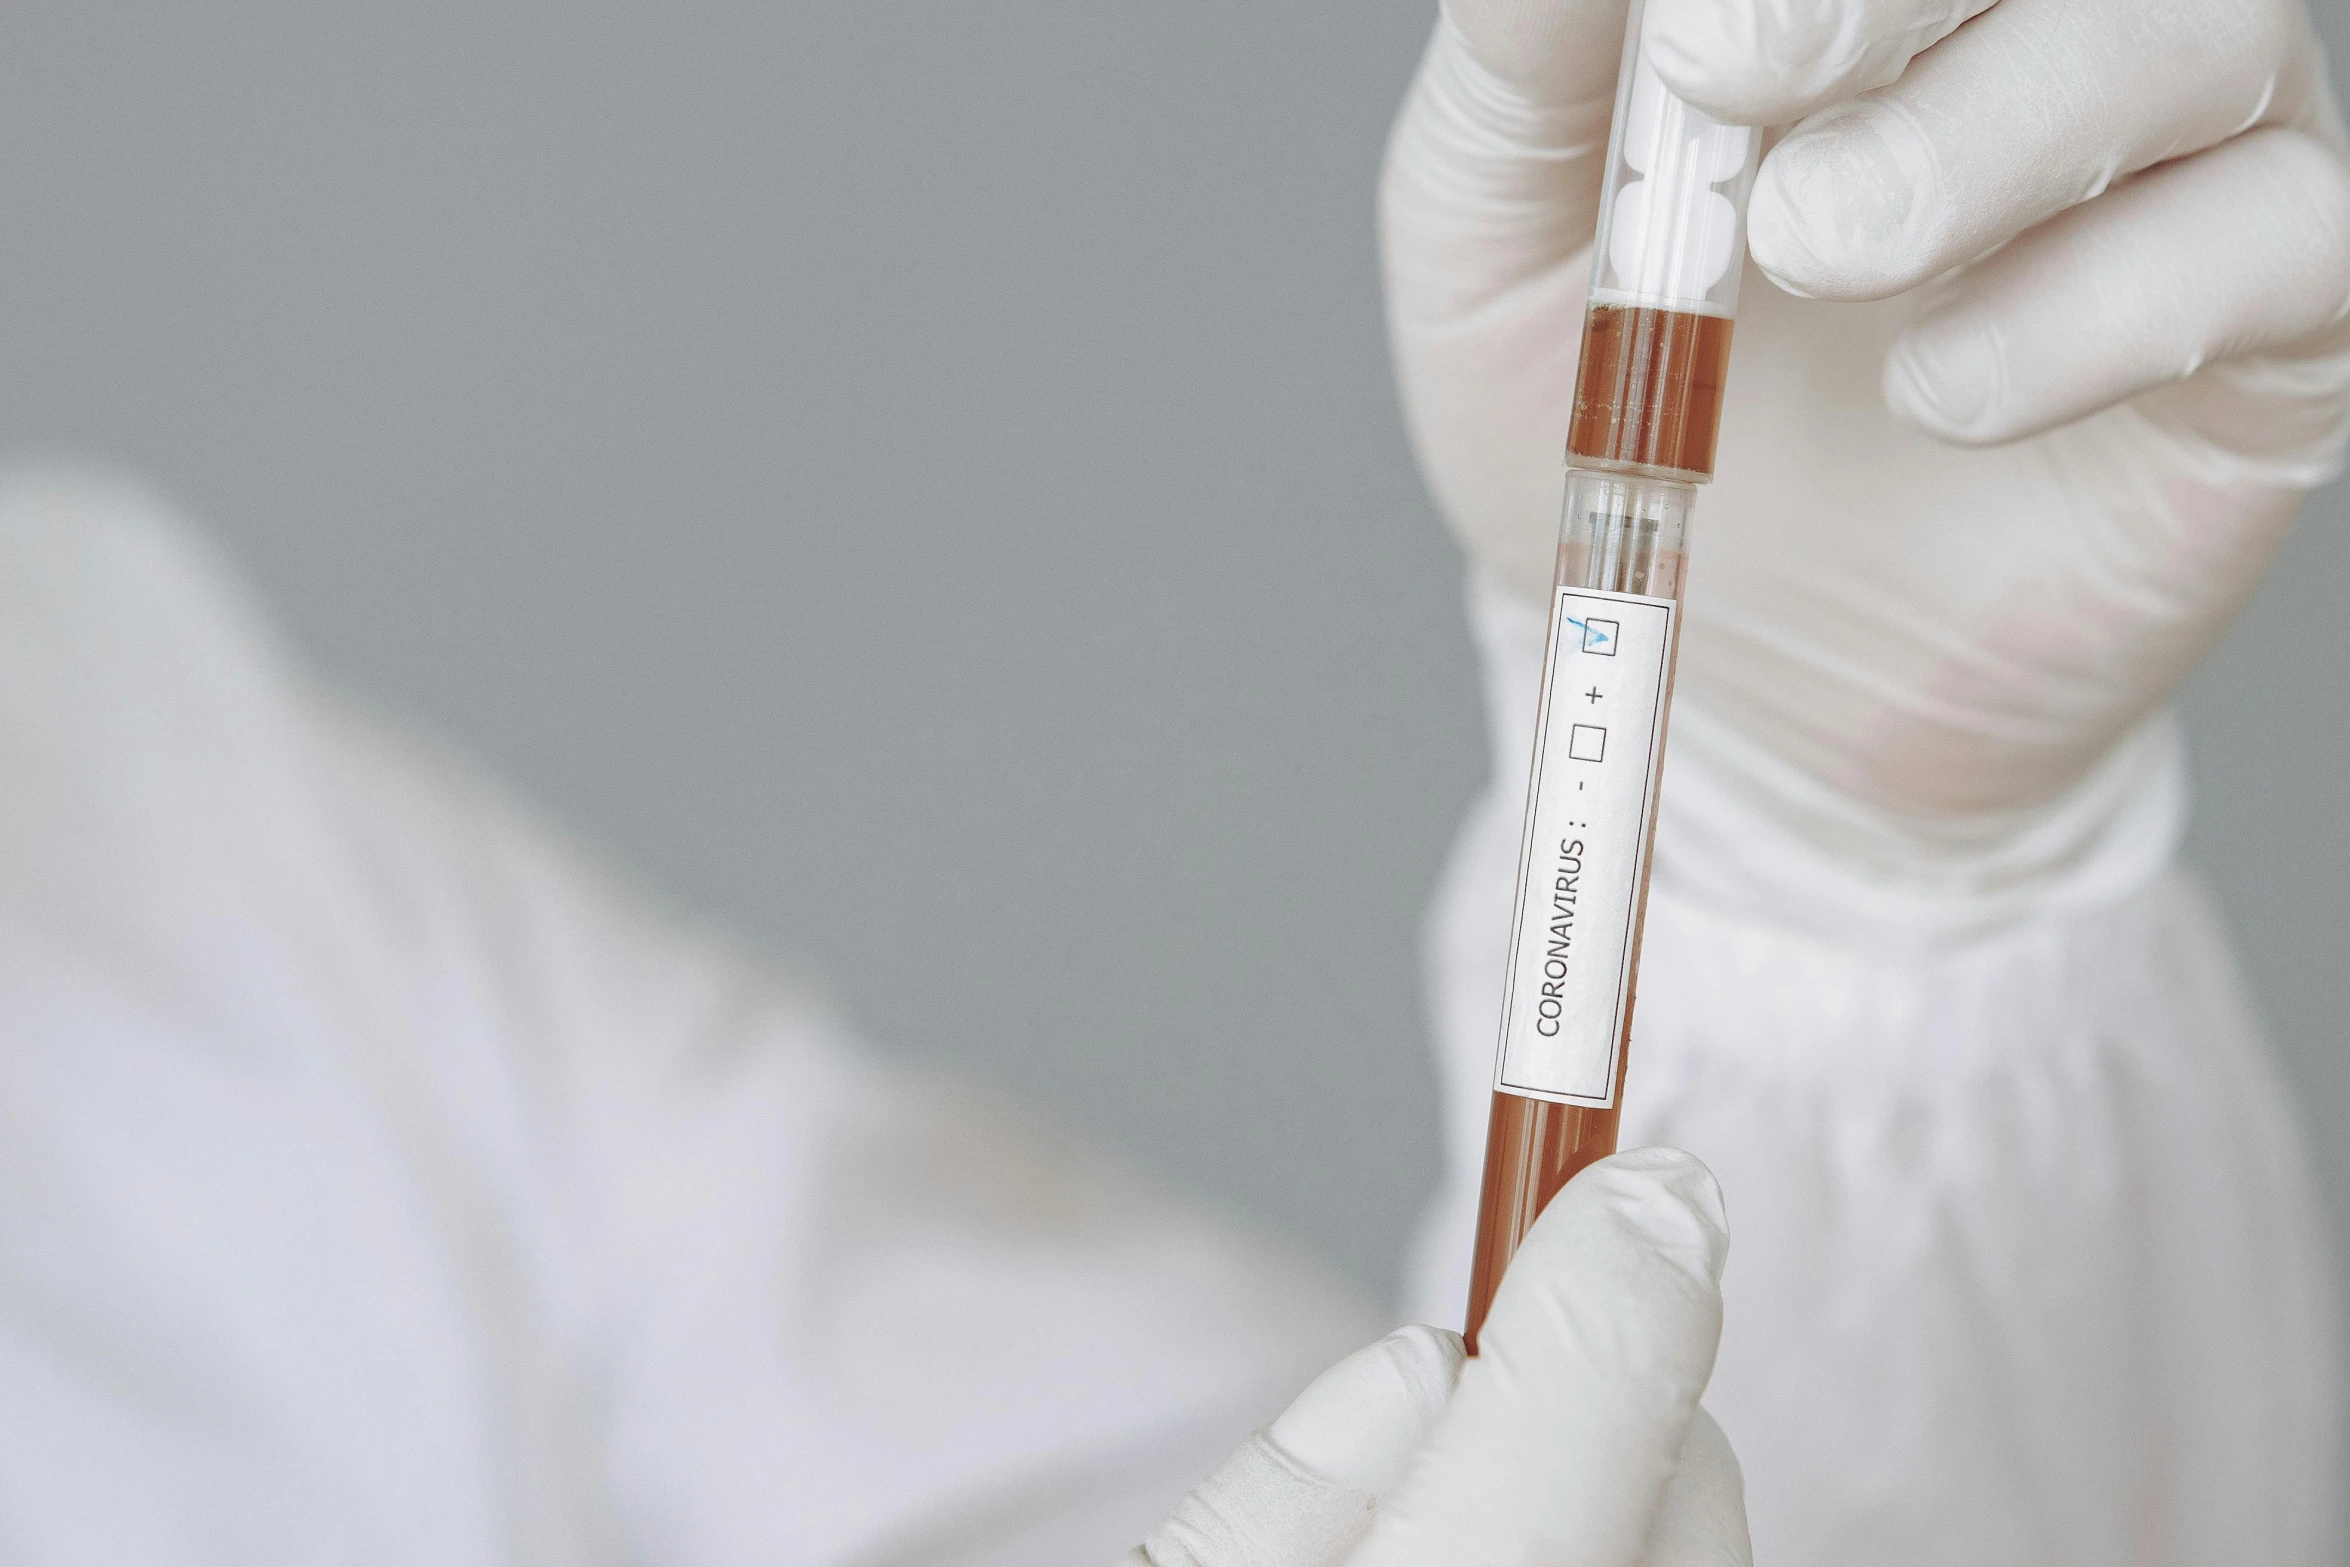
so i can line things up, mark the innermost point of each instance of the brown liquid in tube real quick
(1648, 401)
(1648, 393)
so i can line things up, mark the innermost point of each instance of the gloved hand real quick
(1575, 1435)
(2058, 343)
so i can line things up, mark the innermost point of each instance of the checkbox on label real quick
(1587, 743)
(1599, 636)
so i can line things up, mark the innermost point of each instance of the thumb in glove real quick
(1576, 1435)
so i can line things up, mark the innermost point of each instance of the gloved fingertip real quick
(1710, 55)
(1428, 1361)
(1670, 1199)
(1841, 207)
(1778, 233)
(1358, 1423)
(1672, 1171)
(1946, 374)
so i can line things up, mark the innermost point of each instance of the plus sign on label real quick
(1584, 858)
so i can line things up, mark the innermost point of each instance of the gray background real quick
(920, 483)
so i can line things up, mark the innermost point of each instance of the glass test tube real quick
(1648, 402)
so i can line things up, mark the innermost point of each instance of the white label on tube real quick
(1583, 863)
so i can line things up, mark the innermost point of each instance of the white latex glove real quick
(1965, 540)
(1575, 1436)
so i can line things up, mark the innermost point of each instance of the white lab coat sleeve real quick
(380, 1184)
(2028, 1265)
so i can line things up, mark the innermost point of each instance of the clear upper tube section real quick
(1672, 223)
(1664, 282)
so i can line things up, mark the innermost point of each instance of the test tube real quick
(1648, 402)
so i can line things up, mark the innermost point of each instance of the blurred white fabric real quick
(2028, 1268)
(382, 1186)
(377, 1184)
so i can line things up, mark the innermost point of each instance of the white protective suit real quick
(2052, 334)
